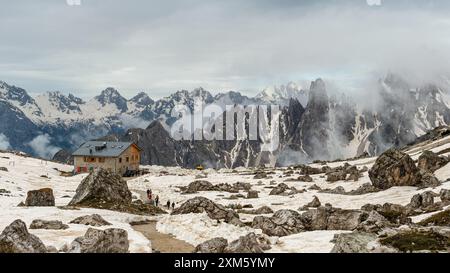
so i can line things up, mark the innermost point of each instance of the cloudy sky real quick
(244, 45)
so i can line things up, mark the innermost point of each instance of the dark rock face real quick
(214, 211)
(101, 187)
(94, 220)
(63, 156)
(40, 198)
(111, 240)
(15, 238)
(215, 245)
(282, 223)
(394, 168)
(42, 224)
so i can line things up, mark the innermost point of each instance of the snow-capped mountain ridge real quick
(314, 123)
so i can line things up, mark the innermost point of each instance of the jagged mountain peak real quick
(142, 99)
(111, 96)
(318, 91)
(17, 94)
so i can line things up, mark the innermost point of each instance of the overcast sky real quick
(244, 45)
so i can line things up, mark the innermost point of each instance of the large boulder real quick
(356, 242)
(282, 223)
(94, 220)
(394, 168)
(428, 180)
(431, 162)
(40, 198)
(214, 211)
(374, 223)
(279, 189)
(445, 195)
(215, 245)
(101, 188)
(15, 238)
(42, 224)
(200, 185)
(252, 194)
(336, 176)
(329, 218)
(251, 243)
(111, 240)
(422, 200)
(261, 210)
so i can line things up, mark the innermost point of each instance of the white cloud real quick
(41, 145)
(220, 45)
(4, 142)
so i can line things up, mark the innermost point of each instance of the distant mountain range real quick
(315, 123)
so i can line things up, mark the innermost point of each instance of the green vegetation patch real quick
(417, 240)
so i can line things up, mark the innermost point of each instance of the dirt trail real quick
(164, 243)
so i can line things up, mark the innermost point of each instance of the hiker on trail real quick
(168, 204)
(173, 205)
(149, 196)
(156, 200)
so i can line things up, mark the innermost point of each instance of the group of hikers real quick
(155, 201)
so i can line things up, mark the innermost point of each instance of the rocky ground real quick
(397, 202)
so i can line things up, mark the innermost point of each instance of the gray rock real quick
(261, 210)
(337, 190)
(40, 198)
(336, 176)
(251, 243)
(282, 223)
(305, 178)
(91, 220)
(216, 245)
(445, 195)
(422, 200)
(374, 223)
(428, 180)
(329, 218)
(214, 211)
(102, 187)
(252, 195)
(355, 242)
(42, 224)
(394, 168)
(3, 169)
(111, 240)
(15, 238)
(279, 189)
(364, 189)
(197, 186)
(431, 162)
